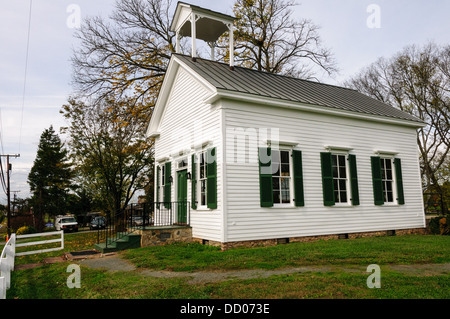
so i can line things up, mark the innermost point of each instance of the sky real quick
(32, 90)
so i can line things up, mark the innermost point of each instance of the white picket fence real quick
(9, 253)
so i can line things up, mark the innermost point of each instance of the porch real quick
(145, 224)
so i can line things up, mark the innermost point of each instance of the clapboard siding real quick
(187, 122)
(246, 220)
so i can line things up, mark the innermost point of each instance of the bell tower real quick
(199, 23)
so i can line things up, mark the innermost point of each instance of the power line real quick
(26, 71)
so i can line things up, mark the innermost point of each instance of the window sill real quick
(203, 209)
(283, 206)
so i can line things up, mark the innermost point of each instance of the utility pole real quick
(8, 192)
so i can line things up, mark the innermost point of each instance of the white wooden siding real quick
(188, 122)
(246, 220)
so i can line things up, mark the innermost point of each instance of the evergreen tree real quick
(50, 176)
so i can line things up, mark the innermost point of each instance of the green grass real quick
(49, 281)
(362, 251)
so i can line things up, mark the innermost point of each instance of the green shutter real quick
(157, 183)
(327, 179)
(298, 178)
(167, 184)
(265, 177)
(377, 180)
(399, 181)
(194, 182)
(353, 179)
(211, 174)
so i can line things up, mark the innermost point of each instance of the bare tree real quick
(126, 56)
(269, 39)
(416, 80)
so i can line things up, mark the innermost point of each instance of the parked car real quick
(66, 223)
(98, 222)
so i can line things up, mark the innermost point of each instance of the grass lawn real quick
(49, 281)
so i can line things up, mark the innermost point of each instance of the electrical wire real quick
(26, 71)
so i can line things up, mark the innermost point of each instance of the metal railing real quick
(139, 216)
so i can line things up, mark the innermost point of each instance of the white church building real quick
(261, 158)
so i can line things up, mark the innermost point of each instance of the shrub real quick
(25, 230)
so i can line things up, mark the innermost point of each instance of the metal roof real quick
(286, 88)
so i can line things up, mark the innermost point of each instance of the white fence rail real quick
(9, 253)
(42, 242)
(7, 265)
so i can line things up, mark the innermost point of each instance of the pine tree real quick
(50, 176)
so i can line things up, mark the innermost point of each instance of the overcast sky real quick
(357, 31)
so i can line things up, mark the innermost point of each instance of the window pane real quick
(285, 197)
(388, 164)
(284, 157)
(334, 159)
(284, 169)
(389, 174)
(342, 185)
(343, 197)
(276, 196)
(341, 160)
(275, 169)
(389, 186)
(342, 173)
(336, 196)
(390, 197)
(275, 183)
(336, 186)
(335, 172)
(285, 184)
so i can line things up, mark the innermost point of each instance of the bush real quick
(25, 230)
(439, 226)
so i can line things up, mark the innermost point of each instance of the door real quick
(182, 197)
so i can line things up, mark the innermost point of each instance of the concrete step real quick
(127, 242)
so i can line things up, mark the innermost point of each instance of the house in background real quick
(260, 158)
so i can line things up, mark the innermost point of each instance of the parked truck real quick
(66, 223)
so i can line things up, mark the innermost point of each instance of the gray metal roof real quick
(286, 88)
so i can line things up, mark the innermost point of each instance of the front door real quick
(182, 197)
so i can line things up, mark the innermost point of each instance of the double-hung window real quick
(340, 180)
(163, 178)
(388, 180)
(203, 179)
(281, 177)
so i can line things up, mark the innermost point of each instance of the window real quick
(339, 179)
(276, 176)
(182, 163)
(387, 180)
(203, 178)
(281, 177)
(339, 163)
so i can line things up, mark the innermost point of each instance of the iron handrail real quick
(141, 215)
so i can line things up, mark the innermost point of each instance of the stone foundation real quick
(156, 236)
(278, 241)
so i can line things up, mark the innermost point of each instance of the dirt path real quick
(116, 263)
